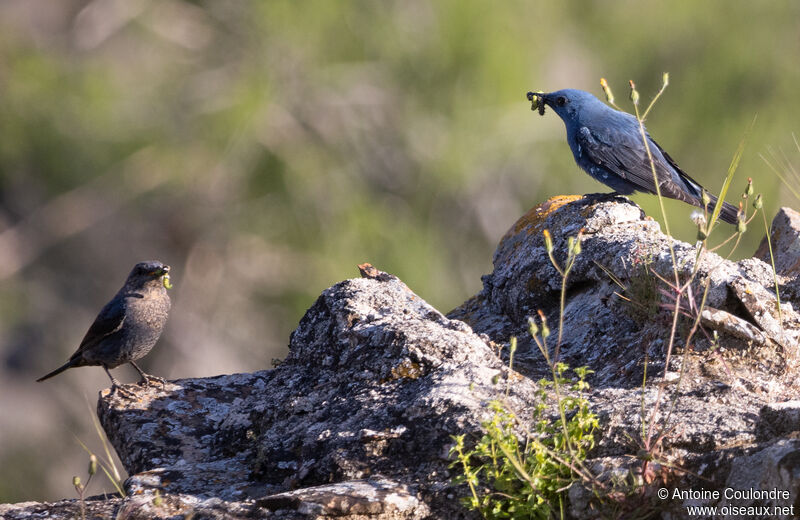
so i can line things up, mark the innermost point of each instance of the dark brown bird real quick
(128, 326)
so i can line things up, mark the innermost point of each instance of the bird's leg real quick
(147, 379)
(116, 386)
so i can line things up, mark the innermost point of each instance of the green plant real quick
(81, 488)
(527, 478)
(106, 463)
(513, 478)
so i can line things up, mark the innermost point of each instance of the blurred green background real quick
(263, 149)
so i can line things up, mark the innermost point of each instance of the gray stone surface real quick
(779, 419)
(776, 467)
(376, 498)
(140, 507)
(785, 238)
(376, 383)
(357, 421)
(603, 332)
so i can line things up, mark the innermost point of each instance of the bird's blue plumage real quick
(607, 144)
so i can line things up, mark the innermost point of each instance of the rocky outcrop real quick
(375, 384)
(358, 420)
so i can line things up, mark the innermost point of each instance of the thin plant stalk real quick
(774, 272)
(678, 287)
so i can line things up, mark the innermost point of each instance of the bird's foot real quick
(121, 390)
(148, 380)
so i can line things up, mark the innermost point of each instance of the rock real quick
(376, 383)
(779, 419)
(619, 245)
(379, 498)
(357, 421)
(785, 238)
(767, 479)
(183, 436)
(63, 509)
(139, 507)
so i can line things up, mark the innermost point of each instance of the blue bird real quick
(607, 144)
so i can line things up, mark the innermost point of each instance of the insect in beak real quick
(537, 101)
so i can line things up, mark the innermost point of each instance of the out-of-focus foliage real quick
(263, 149)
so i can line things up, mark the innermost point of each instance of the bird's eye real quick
(561, 101)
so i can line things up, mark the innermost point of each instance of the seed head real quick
(634, 93)
(607, 91)
(548, 241)
(699, 218)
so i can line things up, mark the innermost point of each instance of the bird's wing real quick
(729, 212)
(109, 321)
(693, 184)
(621, 153)
(624, 154)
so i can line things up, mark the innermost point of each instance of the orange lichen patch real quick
(515, 376)
(534, 217)
(406, 369)
(352, 319)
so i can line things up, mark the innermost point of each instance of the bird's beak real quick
(161, 271)
(544, 98)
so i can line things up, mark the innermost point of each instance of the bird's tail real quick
(729, 213)
(68, 364)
